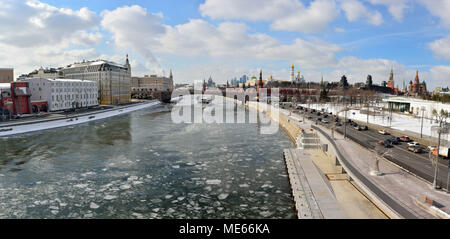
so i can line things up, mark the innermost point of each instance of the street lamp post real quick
(443, 128)
(421, 124)
(345, 117)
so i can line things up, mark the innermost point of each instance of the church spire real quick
(171, 76)
(127, 64)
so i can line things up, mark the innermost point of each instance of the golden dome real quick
(292, 66)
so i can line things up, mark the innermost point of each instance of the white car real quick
(383, 132)
(431, 148)
(413, 144)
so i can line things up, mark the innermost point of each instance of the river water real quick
(142, 165)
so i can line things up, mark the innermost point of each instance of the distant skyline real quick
(229, 38)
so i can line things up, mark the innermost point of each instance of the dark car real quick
(357, 127)
(309, 117)
(385, 143)
(325, 116)
(394, 140)
(363, 127)
(338, 124)
(319, 119)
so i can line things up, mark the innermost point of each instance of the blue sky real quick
(226, 39)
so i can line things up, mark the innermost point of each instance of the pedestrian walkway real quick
(313, 195)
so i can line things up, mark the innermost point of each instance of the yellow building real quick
(114, 80)
(152, 83)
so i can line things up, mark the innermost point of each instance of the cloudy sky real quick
(228, 38)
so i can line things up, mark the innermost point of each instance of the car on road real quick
(432, 147)
(325, 116)
(413, 144)
(383, 132)
(363, 127)
(415, 149)
(405, 139)
(319, 119)
(325, 121)
(357, 127)
(385, 143)
(309, 117)
(394, 140)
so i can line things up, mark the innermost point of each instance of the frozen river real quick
(142, 165)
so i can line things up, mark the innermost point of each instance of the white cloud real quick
(441, 47)
(395, 7)
(439, 8)
(355, 10)
(200, 38)
(132, 27)
(288, 15)
(440, 76)
(313, 19)
(35, 34)
(32, 24)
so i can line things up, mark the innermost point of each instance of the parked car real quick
(338, 123)
(405, 139)
(325, 116)
(319, 119)
(432, 147)
(415, 149)
(383, 132)
(394, 140)
(358, 128)
(413, 144)
(363, 127)
(325, 121)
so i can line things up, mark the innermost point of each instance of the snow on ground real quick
(402, 122)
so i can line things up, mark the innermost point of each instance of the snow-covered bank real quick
(31, 126)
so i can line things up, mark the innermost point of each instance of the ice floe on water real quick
(213, 181)
(94, 205)
(110, 197)
(222, 196)
(135, 174)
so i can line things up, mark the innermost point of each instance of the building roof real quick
(409, 100)
(58, 80)
(94, 63)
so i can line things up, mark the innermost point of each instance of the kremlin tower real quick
(390, 83)
(292, 73)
